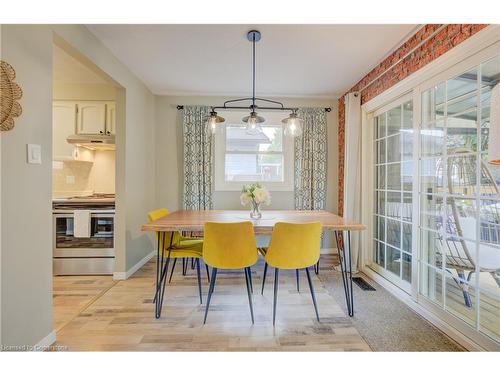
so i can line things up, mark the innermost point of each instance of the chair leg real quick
(185, 263)
(247, 279)
(172, 271)
(192, 263)
(250, 279)
(210, 291)
(199, 278)
(316, 268)
(276, 275)
(297, 277)
(311, 288)
(264, 279)
(208, 272)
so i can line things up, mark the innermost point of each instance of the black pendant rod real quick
(253, 63)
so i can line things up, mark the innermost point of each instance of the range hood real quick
(92, 141)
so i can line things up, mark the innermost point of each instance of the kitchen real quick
(83, 183)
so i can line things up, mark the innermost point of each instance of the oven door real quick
(99, 244)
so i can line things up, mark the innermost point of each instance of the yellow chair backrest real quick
(229, 245)
(294, 245)
(158, 214)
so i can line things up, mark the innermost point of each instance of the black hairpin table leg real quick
(161, 272)
(346, 268)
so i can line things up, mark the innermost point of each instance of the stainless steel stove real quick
(93, 255)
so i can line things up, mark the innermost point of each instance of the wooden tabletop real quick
(188, 220)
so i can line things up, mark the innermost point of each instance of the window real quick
(242, 158)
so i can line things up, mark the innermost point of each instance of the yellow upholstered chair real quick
(176, 246)
(294, 246)
(229, 246)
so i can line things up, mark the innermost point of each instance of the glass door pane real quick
(393, 145)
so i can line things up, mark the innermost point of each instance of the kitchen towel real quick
(82, 224)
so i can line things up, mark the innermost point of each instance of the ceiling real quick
(67, 69)
(292, 60)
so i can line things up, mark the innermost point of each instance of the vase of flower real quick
(255, 211)
(255, 195)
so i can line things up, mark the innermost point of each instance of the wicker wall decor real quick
(10, 93)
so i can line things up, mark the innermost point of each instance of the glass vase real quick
(255, 211)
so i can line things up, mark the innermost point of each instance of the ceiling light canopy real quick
(293, 124)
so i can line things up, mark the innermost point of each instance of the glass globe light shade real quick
(253, 123)
(293, 125)
(213, 120)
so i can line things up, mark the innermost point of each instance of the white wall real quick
(26, 191)
(83, 91)
(26, 263)
(170, 160)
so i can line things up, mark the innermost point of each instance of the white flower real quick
(245, 199)
(262, 196)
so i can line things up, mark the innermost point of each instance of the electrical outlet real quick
(70, 179)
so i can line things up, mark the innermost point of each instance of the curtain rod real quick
(327, 109)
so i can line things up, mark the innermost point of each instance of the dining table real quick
(194, 221)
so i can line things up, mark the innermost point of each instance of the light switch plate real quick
(34, 154)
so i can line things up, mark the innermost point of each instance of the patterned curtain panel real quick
(310, 161)
(198, 159)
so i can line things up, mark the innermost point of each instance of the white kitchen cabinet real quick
(110, 118)
(91, 118)
(63, 125)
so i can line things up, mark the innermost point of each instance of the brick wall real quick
(426, 45)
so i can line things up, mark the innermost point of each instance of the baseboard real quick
(44, 343)
(328, 250)
(134, 268)
(435, 320)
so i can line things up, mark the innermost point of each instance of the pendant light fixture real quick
(293, 124)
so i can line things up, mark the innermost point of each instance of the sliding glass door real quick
(436, 198)
(392, 239)
(459, 232)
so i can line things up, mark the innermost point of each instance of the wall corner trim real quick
(44, 343)
(134, 268)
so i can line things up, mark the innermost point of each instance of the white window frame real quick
(234, 117)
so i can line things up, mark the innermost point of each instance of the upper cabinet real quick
(91, 118)
(64, 125)
(110, 117)
(79, 117)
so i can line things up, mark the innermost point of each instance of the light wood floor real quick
(119, 316)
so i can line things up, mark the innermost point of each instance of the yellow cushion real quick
(186, 249)
(229, 245)
(294, 245)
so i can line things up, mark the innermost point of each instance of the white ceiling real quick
(292, 60)
(67, 69)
